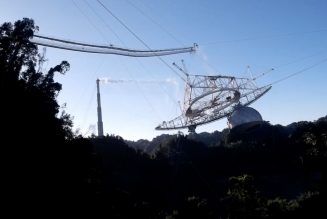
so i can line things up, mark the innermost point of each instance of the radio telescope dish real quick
(210, 98)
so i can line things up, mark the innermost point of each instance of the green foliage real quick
(242, 200)
(35, 138)
(16, 51)
(187, 179)
(215, 175)
(241, 188)
(30, 95)
(280, 208)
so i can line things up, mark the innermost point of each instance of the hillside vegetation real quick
(270, 171)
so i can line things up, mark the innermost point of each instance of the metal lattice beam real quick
(210, 98)
(106, 49)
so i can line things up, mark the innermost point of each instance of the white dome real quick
(243, 115)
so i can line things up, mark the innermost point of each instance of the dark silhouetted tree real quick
(34, 135)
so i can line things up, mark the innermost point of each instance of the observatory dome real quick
(243, 115)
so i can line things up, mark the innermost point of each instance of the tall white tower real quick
(100, 123)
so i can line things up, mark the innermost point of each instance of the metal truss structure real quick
(210, 98)
(206, 98)
(105, 49)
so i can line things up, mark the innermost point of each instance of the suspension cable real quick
(263, 37)
(301, 71)
(103, 21)
(139, 39)
(155, 22)
(138, 61)
(289, 63)
(171, 35)
(89, 20)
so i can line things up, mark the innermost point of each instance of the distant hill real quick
(277, 170)
(150, 147)
(216, 138)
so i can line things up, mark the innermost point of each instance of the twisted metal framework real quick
(209, 98)
(106, 49)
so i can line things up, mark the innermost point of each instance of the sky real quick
(287, 35)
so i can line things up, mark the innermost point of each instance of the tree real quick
(242, 198)
(33, 140)
(29, 95)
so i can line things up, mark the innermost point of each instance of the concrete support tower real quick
(100, 124)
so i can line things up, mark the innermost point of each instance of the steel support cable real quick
(89, 104)
(104, 22)
(169, 33)
(121, 41)
(289, 63)
(139, 62)
(270, 37)
(99, 65)
(144, 96)
(300, 71)
(139, 39)
(300, 59)
(161, 87)
(263, 37)
(262, 74)
(281, 65)
(90, 21)
(155, 22)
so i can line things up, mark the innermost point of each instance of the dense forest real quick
(269, 171)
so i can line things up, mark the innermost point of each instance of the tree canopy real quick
(264, 172)
(34, 133)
